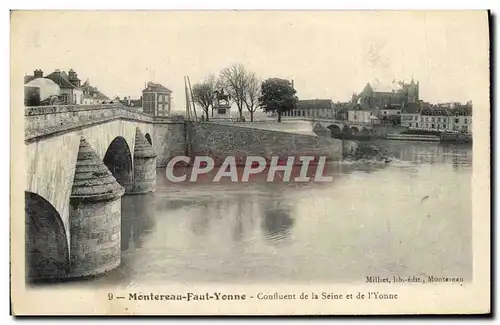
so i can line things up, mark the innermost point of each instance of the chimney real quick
(38, 73)
(73, 78)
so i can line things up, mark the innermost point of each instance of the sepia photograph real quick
(250, 162)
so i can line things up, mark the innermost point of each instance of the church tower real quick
(413, 91)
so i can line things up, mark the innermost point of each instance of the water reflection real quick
(276, 219)
(138, 219)
(369, 220)
(458, 155)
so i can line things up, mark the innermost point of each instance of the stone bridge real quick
(340, 127)
(79, 161)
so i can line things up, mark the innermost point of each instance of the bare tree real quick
(252, 94)
(203, 94)
(234, 80)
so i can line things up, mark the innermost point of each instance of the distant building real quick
(156, 100)
(410, 115)
(439, 118)
(401, 94)
(71, 92)
(360, 115)
(341, 110)
(435, 119)
(390, 114)
(129, 102)
(92, 95)
(41, 91)
(313, 108)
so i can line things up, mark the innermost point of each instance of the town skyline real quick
(435, 49)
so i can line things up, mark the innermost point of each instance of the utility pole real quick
(188, 111)
(192, 98)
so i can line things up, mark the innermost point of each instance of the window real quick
(465, 120)
(416, 125)
(221, 111)
(432, 126)
(432, 119)
(410, 124)
(456, 120)
(444, 126)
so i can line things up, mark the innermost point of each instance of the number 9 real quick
(110, 296)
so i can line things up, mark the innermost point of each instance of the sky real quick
(328, 54)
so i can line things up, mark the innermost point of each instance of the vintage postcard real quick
(250, 162)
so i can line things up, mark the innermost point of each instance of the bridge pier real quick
(95, 216)
(144, 166)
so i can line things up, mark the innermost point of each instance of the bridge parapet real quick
(49, 116)
(46, 120)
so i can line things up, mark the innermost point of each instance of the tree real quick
(203, 94)
(278, 96)
(234, 80)
(252, 94)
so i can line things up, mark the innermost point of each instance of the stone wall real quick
(169, 140)
(221, 140)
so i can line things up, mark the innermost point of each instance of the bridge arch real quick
(354, 129)
(346, 129)
(46, 250)
(118, 159)
(335, 130)
(148, 137)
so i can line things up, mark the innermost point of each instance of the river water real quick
(409, 217)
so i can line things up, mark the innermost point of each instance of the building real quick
(435, 118)
(360, 115)
(156, 100)
(410, 115)
(443, 119)
(461, 118)
(41, 91)
(71, 92)
(390, 114)
(401, 94)
(134, 103)
(313, 108)
(92, 95)
(342, 109)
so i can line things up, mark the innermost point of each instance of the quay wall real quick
(221, 140)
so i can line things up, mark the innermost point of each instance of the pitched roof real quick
(154, 87)
(314, 103)
(435, 111)
(61, 78)
(28, 79)
(411, 108)
(92, 92)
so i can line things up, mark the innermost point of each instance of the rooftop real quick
(154, 87)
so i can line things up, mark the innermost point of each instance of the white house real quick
(359, 116)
